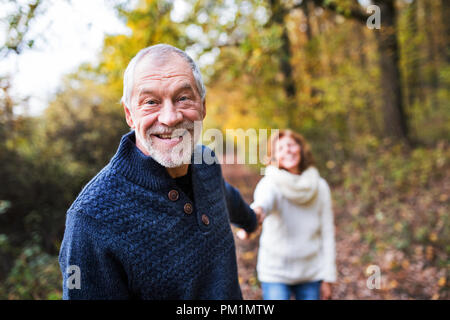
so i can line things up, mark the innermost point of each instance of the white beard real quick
(181, 153)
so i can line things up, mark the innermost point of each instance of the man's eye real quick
(183, 98)
(150, 102)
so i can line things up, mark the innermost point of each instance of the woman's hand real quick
(325, 290)
(260, 214)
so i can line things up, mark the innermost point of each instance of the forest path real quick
(413, 275)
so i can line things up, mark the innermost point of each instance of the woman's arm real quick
(327, 233)
(264, 202)
(264, 196)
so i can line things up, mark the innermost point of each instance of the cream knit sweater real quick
(297, 240)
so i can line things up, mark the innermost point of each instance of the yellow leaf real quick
(330, 164)
(393, 284)
(393, 264)
(442, 281)
(252, 281)
(405, 264)
(398, 227)
(433, 237)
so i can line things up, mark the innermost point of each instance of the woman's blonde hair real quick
(306, 157)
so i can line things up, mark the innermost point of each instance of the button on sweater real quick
(125, 239)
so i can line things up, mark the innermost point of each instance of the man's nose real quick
(169, 115)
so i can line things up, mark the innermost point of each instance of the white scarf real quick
(299, 188)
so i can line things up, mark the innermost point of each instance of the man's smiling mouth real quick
(170, 137)
(165, 136)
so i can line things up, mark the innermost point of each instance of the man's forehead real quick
(177, 85)
(155, 63)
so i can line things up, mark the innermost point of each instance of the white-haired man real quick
(153, 224)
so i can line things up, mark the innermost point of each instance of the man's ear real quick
(204, 109)
(128, 117)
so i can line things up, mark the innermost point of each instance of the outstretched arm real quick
(240, 212)
(264, 202)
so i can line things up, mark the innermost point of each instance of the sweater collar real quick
(300, 188)
(143, 170)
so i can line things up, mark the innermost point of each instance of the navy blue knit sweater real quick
(134, 234)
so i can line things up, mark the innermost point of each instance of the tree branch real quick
(354, 13)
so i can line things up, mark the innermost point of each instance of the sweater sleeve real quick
(239, 211)
(264, 196)
(327, 234)
(89, 268)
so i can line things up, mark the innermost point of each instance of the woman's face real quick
(287, 154)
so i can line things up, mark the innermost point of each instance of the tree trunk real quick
(278, 17)
(313, 66)
(307, 12)
(395, 123)
(413, 72)
(445, 18)
(432, 75)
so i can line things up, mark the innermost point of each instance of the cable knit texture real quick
(297, 240)
(131, 241)
(299, 188)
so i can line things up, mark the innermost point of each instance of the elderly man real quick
(153, 224)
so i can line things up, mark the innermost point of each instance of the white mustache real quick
(161, 130)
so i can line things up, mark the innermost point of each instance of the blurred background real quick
(373, 103)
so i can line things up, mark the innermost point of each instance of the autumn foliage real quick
(312, 66)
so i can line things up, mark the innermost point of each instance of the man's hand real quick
(242, 234)
(325, 290)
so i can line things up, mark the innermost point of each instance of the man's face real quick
(164, 105)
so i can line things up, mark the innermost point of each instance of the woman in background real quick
(297, 247)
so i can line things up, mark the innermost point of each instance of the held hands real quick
(260, 215)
